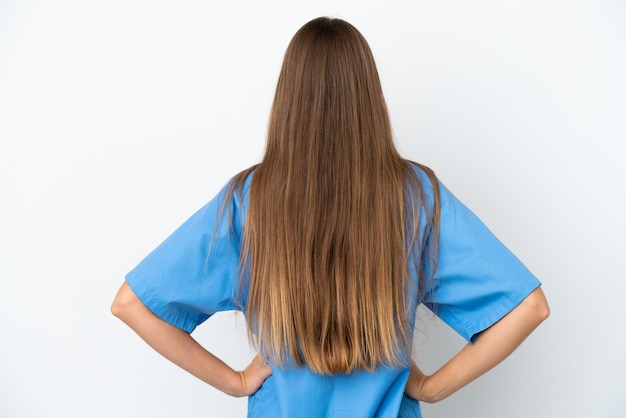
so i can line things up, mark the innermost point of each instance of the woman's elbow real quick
(124, 300)
(537, 303)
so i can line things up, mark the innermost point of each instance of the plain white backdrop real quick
(119, 119)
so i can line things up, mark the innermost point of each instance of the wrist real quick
(234, 384)
(425, 389)
(418, 386)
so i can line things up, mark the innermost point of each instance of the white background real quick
(119, 119)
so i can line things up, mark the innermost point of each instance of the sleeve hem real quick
(471, 331)
(159, 309)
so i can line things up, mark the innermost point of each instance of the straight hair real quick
(336, 218)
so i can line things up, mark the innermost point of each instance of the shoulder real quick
(422, 183)
(236, 193)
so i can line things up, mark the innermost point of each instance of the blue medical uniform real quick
(193, 274)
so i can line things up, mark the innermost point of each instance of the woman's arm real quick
(180, 348)
(491, 347)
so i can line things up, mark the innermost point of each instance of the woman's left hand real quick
(180, 348)
(253, 376)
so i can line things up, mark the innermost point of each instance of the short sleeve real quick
(478, 279)
(193, 273)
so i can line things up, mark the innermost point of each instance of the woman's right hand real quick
(490, 347)
(415, 385)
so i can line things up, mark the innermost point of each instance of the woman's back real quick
(327, 246)
(334, 213)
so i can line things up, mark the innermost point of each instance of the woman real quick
(328, 246)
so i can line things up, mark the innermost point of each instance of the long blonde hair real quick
(334, 215)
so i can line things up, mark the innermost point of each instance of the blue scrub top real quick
(194, 273)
